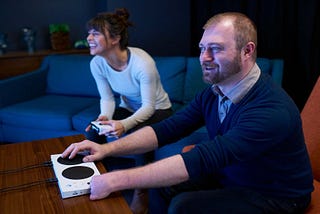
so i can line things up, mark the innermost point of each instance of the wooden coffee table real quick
(45, 197)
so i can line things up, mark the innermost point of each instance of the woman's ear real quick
(116, 40)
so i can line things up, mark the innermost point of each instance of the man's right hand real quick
(95, 151)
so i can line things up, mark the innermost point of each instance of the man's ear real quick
(249, 49)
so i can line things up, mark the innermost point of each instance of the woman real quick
(127, 71)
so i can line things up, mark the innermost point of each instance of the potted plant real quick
(59, 36)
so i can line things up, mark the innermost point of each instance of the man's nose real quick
(206, 55)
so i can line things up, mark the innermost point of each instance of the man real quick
(255, 160)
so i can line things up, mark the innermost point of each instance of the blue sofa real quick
(60, 98)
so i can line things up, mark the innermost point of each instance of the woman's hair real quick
(116, 23)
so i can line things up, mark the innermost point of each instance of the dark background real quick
(287, 29)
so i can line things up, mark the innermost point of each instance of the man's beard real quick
(230, 68)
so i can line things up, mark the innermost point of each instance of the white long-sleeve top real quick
(138, 84)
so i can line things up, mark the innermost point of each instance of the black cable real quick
(21, 186)
(46, 163)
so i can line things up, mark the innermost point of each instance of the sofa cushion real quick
(81, 120)
(16, 134)
(1, 133)
(193, 81)
(265, 65)
(49, 112)
(172, 72)
(70, 75)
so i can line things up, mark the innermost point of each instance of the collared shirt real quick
(237, 92)
(244, 85)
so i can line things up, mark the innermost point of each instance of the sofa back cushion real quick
(193, 82)
(70, 75)
(172, 73)
(274, 67)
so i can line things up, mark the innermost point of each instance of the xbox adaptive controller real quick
(101, 128)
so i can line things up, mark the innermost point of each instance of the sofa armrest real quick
(23, 87)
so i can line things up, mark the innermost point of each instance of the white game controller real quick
(101, 128)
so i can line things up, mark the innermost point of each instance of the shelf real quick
(20, 62)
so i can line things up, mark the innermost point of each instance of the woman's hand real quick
(100, 118)
(117, 128)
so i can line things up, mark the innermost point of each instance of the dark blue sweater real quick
(259, 145)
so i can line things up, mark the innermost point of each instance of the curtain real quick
(287, 29)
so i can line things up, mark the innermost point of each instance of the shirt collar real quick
(243, 86)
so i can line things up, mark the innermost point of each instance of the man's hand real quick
(100, 187)
(95, 151)
(166, 172)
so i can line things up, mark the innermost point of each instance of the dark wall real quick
(38, 14)
(158, 25)
(161, 27)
